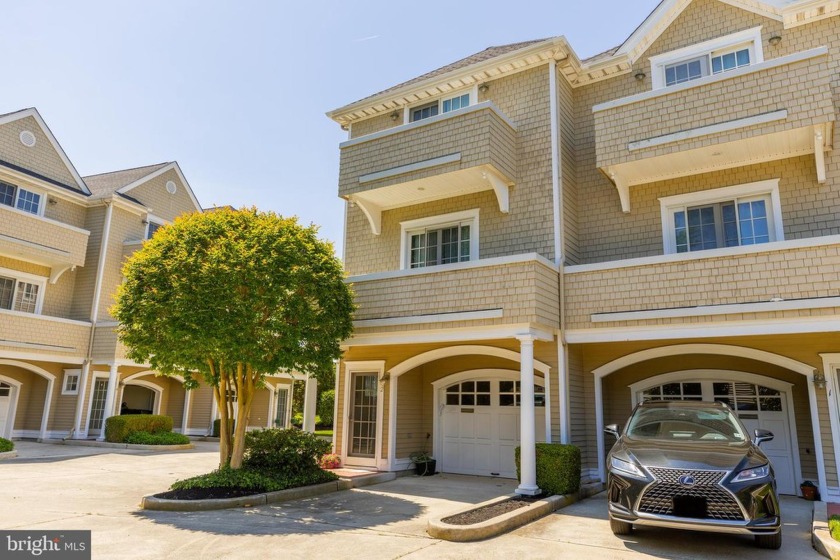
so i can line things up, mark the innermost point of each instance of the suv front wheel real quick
(622, 527)
(769, 541)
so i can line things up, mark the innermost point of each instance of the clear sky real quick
(236, 91)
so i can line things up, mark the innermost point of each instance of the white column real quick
(563, 391)
(599, 428)
(186, 417)
(80, 399)
(310, 404)
(113, 380)
(46, 415)
(527, 438)
(272, 412)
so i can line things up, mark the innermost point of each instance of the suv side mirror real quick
(613, 429)
(762, 435)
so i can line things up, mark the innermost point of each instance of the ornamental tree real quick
(228, 297)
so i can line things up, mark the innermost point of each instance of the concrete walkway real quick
(61, 487)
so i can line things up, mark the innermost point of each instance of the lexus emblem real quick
(687, 480)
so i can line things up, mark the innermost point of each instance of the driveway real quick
(59, 487)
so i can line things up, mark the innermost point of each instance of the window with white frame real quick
(726, 217)
(152, 225)
(708, 58)
(20, 292)
(447, 239)
(439, 106)
(71, 382)
(20, 198)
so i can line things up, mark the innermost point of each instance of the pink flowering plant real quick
(330, 461)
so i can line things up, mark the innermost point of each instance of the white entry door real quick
(480, 426)
(5, 409)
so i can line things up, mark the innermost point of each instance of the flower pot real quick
(426, 468)
(809, 492)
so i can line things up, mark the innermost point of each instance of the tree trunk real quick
(245, 393)
(221, 393)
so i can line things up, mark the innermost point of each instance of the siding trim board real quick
(435, 318)
(402, 169)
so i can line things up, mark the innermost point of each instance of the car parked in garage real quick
(691, 465)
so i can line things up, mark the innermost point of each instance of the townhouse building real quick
(538, 242)
(63, 239)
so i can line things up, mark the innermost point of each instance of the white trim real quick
(653, 94)
(336, 387)
(831, 371)
(94, 375)
(748, 36)
(469, 350)
(45, 318)
(156, 389)
(707, 130)
(100, 269)
(556, 164)
(724, 309)
(433, 318)
(805, 243)
(47, 398)
(14, 395)
(480, 263)
(151, 219)
(411, 167)
(425, 122)
(369, 366)
(67, 374)
(442, 220)
(18, 276)
(563, 391)
(172, 166)
(460, 334)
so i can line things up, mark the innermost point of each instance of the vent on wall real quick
(27, 138)
(171, 187)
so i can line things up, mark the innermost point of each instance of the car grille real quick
(658, 498)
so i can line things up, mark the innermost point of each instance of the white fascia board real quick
(451, 335)
(145, 179)
(707, 130)
(431, 318)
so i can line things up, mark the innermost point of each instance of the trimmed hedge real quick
(291, 452)
(6, 445)
(217, 427)
(248, 479)
(160, 438)
(117, 428)
(326, 407)
(558, 468)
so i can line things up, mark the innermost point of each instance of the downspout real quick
(94, 314)
(559, 255)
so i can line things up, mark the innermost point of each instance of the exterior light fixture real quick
(394, 116)
(775, 40)
(483, 88)
(640, 76)
(52, 200)
(819, 380)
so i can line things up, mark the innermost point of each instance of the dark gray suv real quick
(691, 465)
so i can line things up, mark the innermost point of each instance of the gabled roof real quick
(121, 182)
(79, 185)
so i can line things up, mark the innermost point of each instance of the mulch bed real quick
(206, 493)
(489, 512)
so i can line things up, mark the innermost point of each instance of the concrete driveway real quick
(59, 487)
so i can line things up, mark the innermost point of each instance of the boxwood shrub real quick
(6, 445)
(160, 438)
(292, 451)
(117, 428)
(558, 468)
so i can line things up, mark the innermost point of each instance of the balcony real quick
(42, 334)
(26, 237)
(786, 279)
(519, 290)
(465, 151)
(776, 109)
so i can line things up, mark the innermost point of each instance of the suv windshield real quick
(678, 423)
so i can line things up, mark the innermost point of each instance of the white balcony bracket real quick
(57, 271)
(819, 154)
(501, 188)
(623, 191)
(372, 212)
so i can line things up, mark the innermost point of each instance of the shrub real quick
(330, 461)
(297, 419)
(6, 445)
(249, 479)
(326, 408)
(217, 427)
(160, 438)
(834, 527)
(290, 452)
(117, 428)
(558, 468)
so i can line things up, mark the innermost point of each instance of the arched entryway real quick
(140, 397)
(9, 392)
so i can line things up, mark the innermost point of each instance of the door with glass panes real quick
(364, 403)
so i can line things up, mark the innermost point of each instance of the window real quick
(20, 198)
(708, 58)
(18, 294)
(719, 218)
(674, 392)
(151, 229)
(469, 393)
(447, 239)
(443, 105)
(71, 382)
(509, 394)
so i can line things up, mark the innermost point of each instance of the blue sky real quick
(236, 91)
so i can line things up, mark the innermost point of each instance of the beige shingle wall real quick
(58, 338)
(45, 237)
(153, 194)
(41, 158)
(86, 276)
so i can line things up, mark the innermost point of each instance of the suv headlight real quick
(755, 473)
(626, 467)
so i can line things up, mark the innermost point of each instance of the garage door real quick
(756, 406)
(480, 426)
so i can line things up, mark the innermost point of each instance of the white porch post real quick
(527, 438)
(110, 395)
(563, 391)
(186, 417)
(46, 415)
(310, 404)
(80, 400)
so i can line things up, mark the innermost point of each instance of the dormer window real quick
(443, 105)
(707, 59)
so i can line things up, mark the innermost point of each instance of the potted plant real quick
(809, 490)
(424, 463)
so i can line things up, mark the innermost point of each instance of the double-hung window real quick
(20, 198)
(727, 217)
(439, 106)
(18, 294)
(448, 239)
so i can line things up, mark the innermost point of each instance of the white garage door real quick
(757, 407)
(480, 426)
